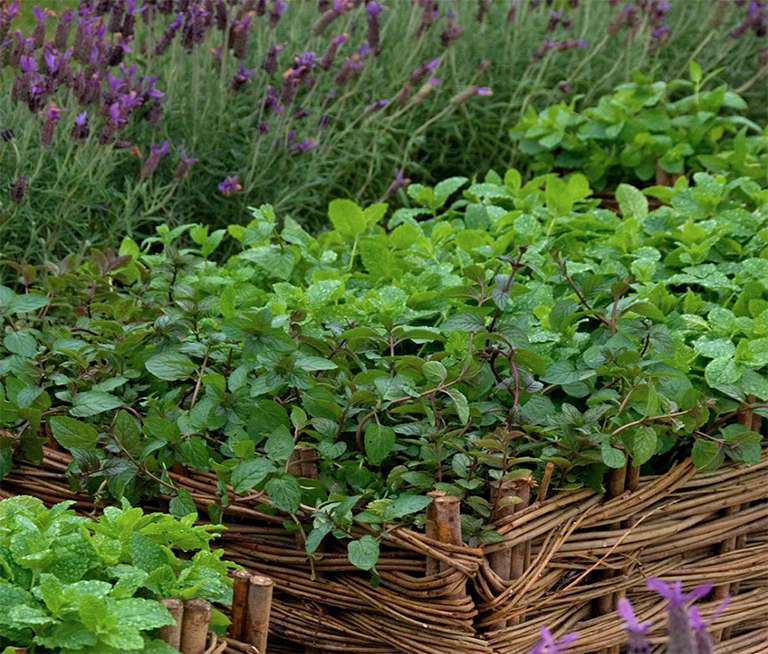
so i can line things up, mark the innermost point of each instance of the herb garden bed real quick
(680, 525)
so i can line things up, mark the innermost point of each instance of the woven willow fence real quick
(563, 563)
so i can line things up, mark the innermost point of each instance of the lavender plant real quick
(687, 633)
(303, 102)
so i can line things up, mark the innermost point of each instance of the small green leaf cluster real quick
(68, 584)
(645, 126)
(491, 328)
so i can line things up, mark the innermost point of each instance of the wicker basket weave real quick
(680, 525)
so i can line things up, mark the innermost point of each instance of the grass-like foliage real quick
(497, 326)
(260, 102)
(70, 584)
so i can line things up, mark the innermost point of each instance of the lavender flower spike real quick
(701, 636)
(548, 645)
(156, 153)
(679, 629)
(637, 632)
(185, 163)
(230, 185)
(80, 129)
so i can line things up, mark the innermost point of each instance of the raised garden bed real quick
(681, 525)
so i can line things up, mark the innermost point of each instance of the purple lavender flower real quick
(169, 34)
(279, 7)
(185, 163)
(349, 69)
(270, 60)
(450, 33)
(271, 100)
(399, 182)
(637, 632)
(469, 92)
(426, 67)
(80, 129)
(324, 121)
(373, 12)
(701, 635)
(243, 76)
(548, 645)
(230, 185)
(18, 190)
(7, 135)
(157, 152)
(52, 116)
(512, 13)
(326, 61)
(306, 145)
(425, 90)
(554, 20)
(63, 28)
(38, 34)
(565, 87)
(239, 37)
(681, 637)
(375, 106)
(482, 9)
(288, 93)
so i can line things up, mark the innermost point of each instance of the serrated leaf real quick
(364, 552)
(707, 455)
(285, 492)
(91, 403)
(406, 505)
(249, 474)
(611, 456)
(170, 366)
(347, 217)
(71, 433)
(632, 202)
(379, 441)
(460, 403)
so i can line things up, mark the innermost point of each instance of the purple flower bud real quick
(185, 163)
(548, 645)
(7, 135)
(262, 127)
(306, 145)
(565, 87)
(63, 28)
(324, 121)
(399, 182)
(242, 77)
(470, 91)
(239, 37)
(38, 34)
(229, 185)
(426, 67)
(271, 100)
(155, 113)
(157, 152)
(373, 11)
(80, 129)
(375, 106)
(330, 53)
(450, 33)
(512, 13)
(270, 60)
(18, 190)
(279, 7)
(679, 630)
(52, 116)
(115, 19)
(637, 632)
(288, 93)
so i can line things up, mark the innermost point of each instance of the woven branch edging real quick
(680, 521)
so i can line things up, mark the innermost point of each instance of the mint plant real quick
(647, 128)
(492, 328)
(68, 584)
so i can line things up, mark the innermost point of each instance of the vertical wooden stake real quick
(443, 524)
(509, 564)
(239, 604)
(194, 627)
(615, 484)
(259, 607)
(172, 633)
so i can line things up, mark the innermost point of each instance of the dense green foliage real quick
(68, 584)
(629, 133)
(496, 326)
(82, 191)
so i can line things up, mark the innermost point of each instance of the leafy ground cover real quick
(638, 133)
(494, 327)
(69, 584)
(132, 115)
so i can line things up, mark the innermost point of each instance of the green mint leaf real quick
(249, 474)
(285, 492)
(71, 433)
(91, 403)
(632, 202)
(364, 552)
(379, 441)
